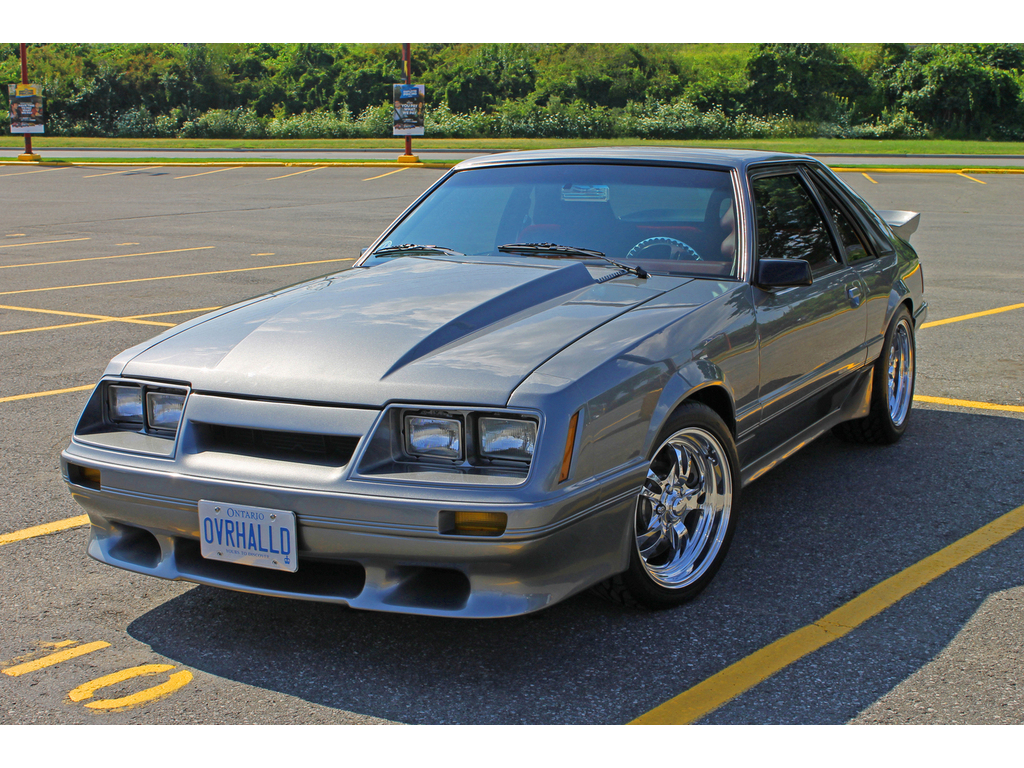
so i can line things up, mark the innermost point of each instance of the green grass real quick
(838, 146)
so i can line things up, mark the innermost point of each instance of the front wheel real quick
(892, 390)
(684, 516)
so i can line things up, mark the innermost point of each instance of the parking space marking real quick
(973, 315)
(308, 170)
(44, 242)
(98, 318)
(389, 173)
(204, 173)
(174, 682)
(869, 178)
(136, 319)
(23, 173)
(720, 688)
(172, 277)
(12, 398)
(55, 658)
(969, 404)
(130, 170)
(47, 528)
(972, 178)
(101, 258)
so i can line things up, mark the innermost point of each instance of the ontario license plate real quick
(248, 535)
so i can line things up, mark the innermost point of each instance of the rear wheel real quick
(684, 516)
(892, 389)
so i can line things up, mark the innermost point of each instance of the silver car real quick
(555, 371)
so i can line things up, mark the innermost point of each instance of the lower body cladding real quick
(375, 567)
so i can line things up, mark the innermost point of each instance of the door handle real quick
(853, 293)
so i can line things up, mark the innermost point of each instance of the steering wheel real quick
(678, 250)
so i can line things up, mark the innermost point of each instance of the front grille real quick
(330, 450)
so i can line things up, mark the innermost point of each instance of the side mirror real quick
(362, 252)
(783, 273)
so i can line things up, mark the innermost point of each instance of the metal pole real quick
(407, 59)
(24, 81)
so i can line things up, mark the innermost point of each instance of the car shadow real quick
(815, 532)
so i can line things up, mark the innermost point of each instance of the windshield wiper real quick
(553, 249)
(413, 247)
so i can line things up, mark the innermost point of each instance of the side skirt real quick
(854, 396)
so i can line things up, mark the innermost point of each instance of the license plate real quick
(248, 535)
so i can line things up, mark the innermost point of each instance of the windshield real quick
(663, 219)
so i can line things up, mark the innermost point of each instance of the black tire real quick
(892, 390)
(682, 526)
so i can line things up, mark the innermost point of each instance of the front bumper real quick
(148, 522)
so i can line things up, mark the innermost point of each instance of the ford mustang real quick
(555, 371)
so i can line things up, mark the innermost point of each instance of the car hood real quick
(429, 330)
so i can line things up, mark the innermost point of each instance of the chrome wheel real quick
(683, 509)
(900, 372)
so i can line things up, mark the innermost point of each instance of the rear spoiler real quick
(903, 223)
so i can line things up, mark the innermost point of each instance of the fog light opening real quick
(472, 523)
(85, 476)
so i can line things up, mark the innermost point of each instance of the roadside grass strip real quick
(720, 688)
(45, 529)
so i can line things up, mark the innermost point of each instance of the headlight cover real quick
(505, 438)
(433, 437)
(163, 409)
(140, 407)
(124, 404)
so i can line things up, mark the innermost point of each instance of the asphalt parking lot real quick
(94, 260)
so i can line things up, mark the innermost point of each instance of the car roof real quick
(724, 158)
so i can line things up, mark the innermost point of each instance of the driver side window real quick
(789, 225)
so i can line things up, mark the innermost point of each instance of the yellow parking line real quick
(308, 170)
(171, 277)
(101, 258)
(55, 658)
(204, 173)
(136, 319)
(969, 404)
(44, 242)
(389, 173)
(712, 693)
(23, 173)
(51, 327)
(130, 170)
(47, 528)
(869, 178)
(972, 178)
(104, 318)
(12, 398)
(973, 315)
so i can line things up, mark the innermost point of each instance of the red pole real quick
(24, 81)
(407, 60)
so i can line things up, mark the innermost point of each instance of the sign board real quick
(26, 108)
(409, 102)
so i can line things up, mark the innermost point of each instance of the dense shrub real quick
(526, 90)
